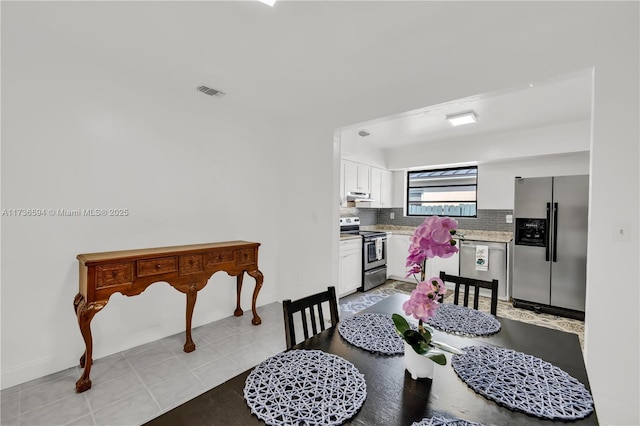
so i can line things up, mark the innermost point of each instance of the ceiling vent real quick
(209, 91)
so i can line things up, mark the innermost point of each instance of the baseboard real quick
(547, 309)
(28, 371)
(405, 279)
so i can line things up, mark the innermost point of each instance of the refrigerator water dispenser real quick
(531, 232)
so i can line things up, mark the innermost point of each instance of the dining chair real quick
(314, 306)
(467, 283)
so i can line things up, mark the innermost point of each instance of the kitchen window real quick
(442, 192)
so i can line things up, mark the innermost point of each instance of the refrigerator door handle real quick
(555, 232)
(546, 246)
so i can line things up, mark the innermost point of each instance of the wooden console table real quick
(130, 272)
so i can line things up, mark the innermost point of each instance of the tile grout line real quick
(142, 381)
(92, 411)
(93, 417)
(20, 413)
(173, 356)
(20, 404)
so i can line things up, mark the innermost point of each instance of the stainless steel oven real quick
(374, 252)
(374, 259)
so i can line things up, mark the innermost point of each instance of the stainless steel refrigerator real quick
(550, 244)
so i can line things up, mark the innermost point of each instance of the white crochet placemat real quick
(305, 387)
(373, 332)
(463, 320)
(444, 421)
(523, 382)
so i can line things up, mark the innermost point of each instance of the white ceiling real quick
(330, 62)
(561, 99)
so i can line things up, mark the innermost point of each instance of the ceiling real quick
(404, 65)
(335, 62)
(561, 99)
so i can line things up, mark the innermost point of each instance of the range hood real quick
(359, 197)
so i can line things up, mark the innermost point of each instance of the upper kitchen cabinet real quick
(357, 177)
(381, 182)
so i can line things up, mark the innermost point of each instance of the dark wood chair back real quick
(313, 306)
(468, 283)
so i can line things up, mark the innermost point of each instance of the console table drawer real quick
(191, 264)
(246, 256)
(218, 257)
(114, 274)
(157, 266)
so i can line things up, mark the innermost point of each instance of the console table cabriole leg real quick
(192, 294)
(85, 313)
(238, 312)
(257, 275)
(76, 304)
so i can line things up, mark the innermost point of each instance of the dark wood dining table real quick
(393, 397)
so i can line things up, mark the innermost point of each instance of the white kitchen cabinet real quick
(386, 191)
(381, 182)
(350, 266)
(450, 265)
(343, 199)
(397, 258)
(398, 249)
(357, 177)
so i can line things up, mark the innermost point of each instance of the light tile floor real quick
(137, 385)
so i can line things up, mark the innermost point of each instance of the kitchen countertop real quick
(468, 234)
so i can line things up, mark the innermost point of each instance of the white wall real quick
(614, 202)
(496, 180)
(558, 150)
(512, 145)
(399, 188)
(363, 153)
(188, 167)
(309, 201)
(188, 171)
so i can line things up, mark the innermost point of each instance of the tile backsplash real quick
(487, 220)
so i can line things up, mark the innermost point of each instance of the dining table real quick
(393, 397)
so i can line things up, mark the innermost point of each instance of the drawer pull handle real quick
(190, 261)
(114, 273)
(158, 266)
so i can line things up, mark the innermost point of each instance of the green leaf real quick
(419, 348)
(416, 341)
(437, 357)
(401, 324)
(413, 337)
(446, 347)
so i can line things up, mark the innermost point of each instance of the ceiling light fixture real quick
(462, 118)
(363, 133)
(269, 2)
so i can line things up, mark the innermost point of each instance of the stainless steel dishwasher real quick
(497, 267)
